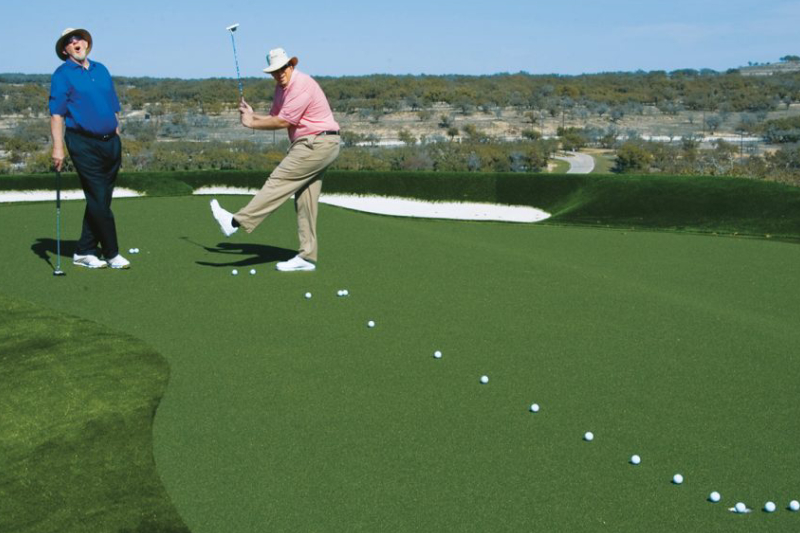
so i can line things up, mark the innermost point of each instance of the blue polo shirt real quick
(84, 97)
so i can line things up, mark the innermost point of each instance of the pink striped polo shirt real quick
(303, 105)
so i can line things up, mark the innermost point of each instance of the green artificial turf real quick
(289, 414)
(76, 410)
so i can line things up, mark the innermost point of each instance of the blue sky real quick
(187, 39)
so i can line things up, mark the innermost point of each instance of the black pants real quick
(97, 163)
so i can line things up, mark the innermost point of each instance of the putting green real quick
(284, 413)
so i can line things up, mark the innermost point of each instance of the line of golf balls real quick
(677, 479)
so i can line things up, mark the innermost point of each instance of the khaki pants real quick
(300, 173)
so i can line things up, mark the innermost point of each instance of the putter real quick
(232, 28)
(58, 271)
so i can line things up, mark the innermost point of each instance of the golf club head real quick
(58, 272)
(232, 27)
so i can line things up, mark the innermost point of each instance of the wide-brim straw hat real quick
(277, 59)
(66, 34)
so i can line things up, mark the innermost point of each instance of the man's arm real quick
(260, 122)
(57, 132)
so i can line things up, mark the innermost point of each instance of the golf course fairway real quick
(287, 413)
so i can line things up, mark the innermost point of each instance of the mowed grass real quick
(289, 414)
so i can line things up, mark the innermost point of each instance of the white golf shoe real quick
(88, 261)
(223, 218)
(296, 264)
(119, 262)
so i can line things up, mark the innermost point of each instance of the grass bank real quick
(708, 204)
(76, 451)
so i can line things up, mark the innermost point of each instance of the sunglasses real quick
(75, 39)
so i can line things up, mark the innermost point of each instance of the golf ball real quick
(339, 293)
(136, 250)
(714, 497)
(308, 295)
(677, 479)
(794, 505)
(769, 507)
(131, 251)
(484, 379)
(252, 271)
(371, 324)
(740, 507)
(345, 292)
(234, 272)
(437, 354)
(635, 459)
(588, 436)
(534, 408)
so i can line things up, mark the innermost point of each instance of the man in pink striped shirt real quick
(301, 107)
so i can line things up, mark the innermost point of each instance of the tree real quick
(632, 157)
(406, 137)
(713, 123)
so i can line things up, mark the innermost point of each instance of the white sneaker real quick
(296, 264)
(88, 261)
(119, 262)
(223, 218)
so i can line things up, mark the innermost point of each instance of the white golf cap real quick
(277, 59)
(61, 43)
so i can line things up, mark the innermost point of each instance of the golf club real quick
(58, 271)
(232, 28)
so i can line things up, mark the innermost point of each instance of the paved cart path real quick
(578, 163)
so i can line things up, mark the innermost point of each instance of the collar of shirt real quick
(72, 64)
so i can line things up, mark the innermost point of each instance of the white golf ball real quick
(677, 479)
(136, 250)
(484, 379)
(588, 436)
(437, 354)
(131, 251)
(234, 272)
(635, 459)
(339, 293)
(740, 507)
(769, 507)
(371, 324)
(308, 295)
(345, 292)
(534, 408)
(794, 505)
(714, 497)
(253, 271)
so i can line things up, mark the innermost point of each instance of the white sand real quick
(72, 194)
(403, 207)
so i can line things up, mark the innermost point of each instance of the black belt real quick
(84, 133)
(329, 132)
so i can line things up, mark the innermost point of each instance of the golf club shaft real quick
(58, 220)
(236, 60)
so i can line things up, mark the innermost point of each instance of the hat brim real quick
(272, 68)
(62, 42)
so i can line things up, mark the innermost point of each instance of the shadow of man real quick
(243, 254)
(45, 247)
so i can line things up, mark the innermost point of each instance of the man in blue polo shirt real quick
(83, 101)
